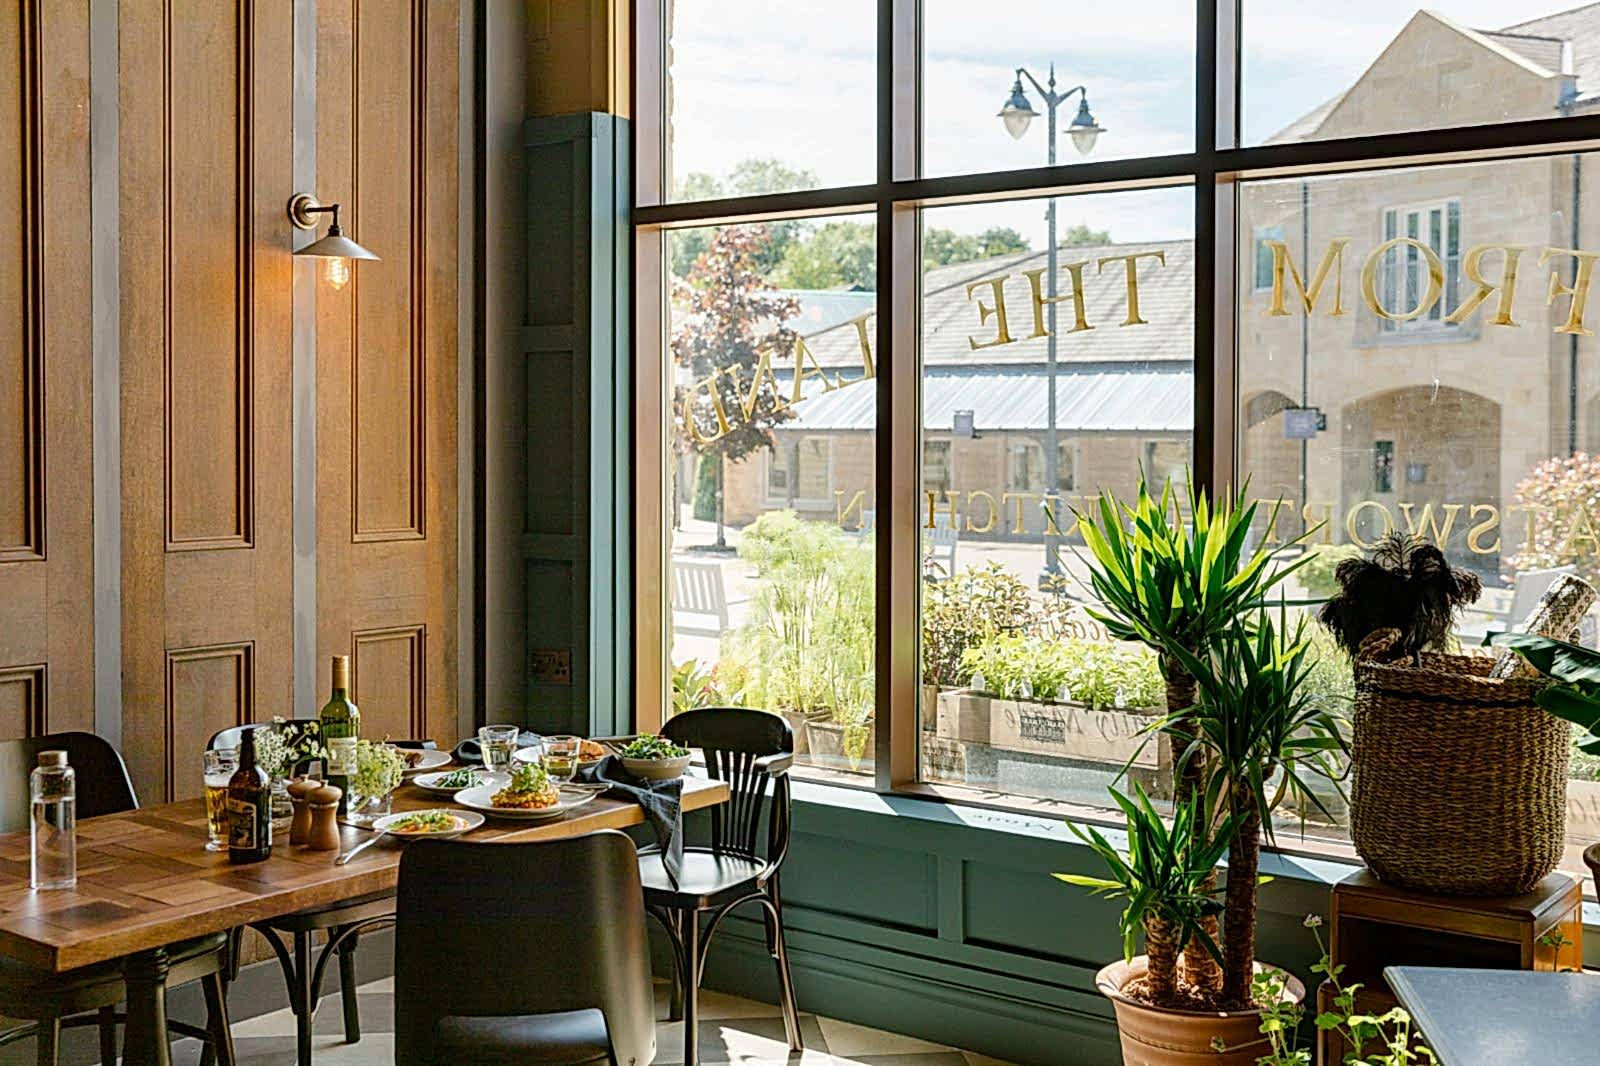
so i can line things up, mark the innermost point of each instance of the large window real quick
(945, 345)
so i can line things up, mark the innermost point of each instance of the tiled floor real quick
(732, 1030)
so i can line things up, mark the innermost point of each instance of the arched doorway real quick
(1432, 451)
(1270, 459)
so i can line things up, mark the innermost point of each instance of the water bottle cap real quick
(52, 758)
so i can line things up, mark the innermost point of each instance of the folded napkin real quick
(468, 753)
(661, 801)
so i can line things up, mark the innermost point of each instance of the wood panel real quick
(22, 501)
(388, 681)
(387, 106)
(22, 701)
(205, 159)
(46, 436)
(208, 689)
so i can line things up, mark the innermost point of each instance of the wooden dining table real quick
(146, 881)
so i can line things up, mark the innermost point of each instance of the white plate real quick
(481, 799)
(429, 782)
(471, 820)
(431, 759)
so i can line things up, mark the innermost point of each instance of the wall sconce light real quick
(336, 250)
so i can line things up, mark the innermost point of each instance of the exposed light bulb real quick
(336, 271)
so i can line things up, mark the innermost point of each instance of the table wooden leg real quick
(145, 1041)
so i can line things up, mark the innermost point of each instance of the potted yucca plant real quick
(1176, 584)
(1261, 734)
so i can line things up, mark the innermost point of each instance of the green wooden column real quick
(576, 344)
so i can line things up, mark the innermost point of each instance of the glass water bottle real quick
(55, 822)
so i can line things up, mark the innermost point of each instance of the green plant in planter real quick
(1280, 1021)
(1177, 585)
(1261, 732)
(1162, 875)
(1099, 674)
(970, 608)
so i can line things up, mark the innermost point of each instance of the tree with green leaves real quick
(732, 324)
(835, 254)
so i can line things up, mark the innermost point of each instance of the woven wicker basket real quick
(1459, 781)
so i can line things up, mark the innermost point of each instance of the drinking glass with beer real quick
(220, 763)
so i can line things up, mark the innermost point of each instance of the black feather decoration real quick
(1406, 584)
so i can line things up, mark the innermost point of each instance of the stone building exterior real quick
(1353, 420)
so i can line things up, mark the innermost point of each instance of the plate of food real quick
(529, 795)
(449, 782)
(421, 760)
(436, 824)
(589, 753)
(655, 758)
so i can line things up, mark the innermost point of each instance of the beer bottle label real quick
(242, 825)
(341, 756)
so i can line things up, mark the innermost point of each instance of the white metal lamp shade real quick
(1084, 129)
(1017, 113)
(336, 246)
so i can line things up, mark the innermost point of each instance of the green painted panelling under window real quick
(577, 514)
(944, 923)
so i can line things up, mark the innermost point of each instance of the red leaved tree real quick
(732, 333)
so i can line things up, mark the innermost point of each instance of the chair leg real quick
(691, 987)
(108, 1036)
(301, 1001)
(49, 1038)
(675, 1000)
(780, 954)
(221, 1042)
(347, 989)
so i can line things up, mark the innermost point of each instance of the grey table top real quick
(1498, 1017)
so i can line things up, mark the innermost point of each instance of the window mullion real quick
(1217, 44)
(899, 436)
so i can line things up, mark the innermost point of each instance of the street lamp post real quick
(1018, 114)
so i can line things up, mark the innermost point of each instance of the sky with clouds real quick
(795, 81)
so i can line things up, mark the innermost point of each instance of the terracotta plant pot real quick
(1155, 1037)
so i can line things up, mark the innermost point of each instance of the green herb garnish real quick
(652, 746)
(465, 777)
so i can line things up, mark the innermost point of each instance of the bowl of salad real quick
(654, 758)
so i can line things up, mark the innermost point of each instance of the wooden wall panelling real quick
(46, 522)
(23, 691)
(206, 376)
(387, 107)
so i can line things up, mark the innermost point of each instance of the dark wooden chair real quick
(752, 751)
(50, 1002)
(341, 925)
(522, 953)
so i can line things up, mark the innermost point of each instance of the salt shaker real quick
(300, 790)
(324, 831)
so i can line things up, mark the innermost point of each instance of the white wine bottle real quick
(341, 727)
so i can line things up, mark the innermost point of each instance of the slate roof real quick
(1090, 398)
(1567, 42)
(1166, 302)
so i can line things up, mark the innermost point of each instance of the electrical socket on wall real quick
(551, 666)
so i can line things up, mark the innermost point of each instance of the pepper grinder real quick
(324, 831)
(300, 790)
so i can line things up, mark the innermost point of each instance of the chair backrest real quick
(510, 929)
(102, 779)
(697, 589)
(733, 738)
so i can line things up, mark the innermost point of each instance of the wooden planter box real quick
(1061, 730)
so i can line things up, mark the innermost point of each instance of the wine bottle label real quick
(242, 818)
(341, 756)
